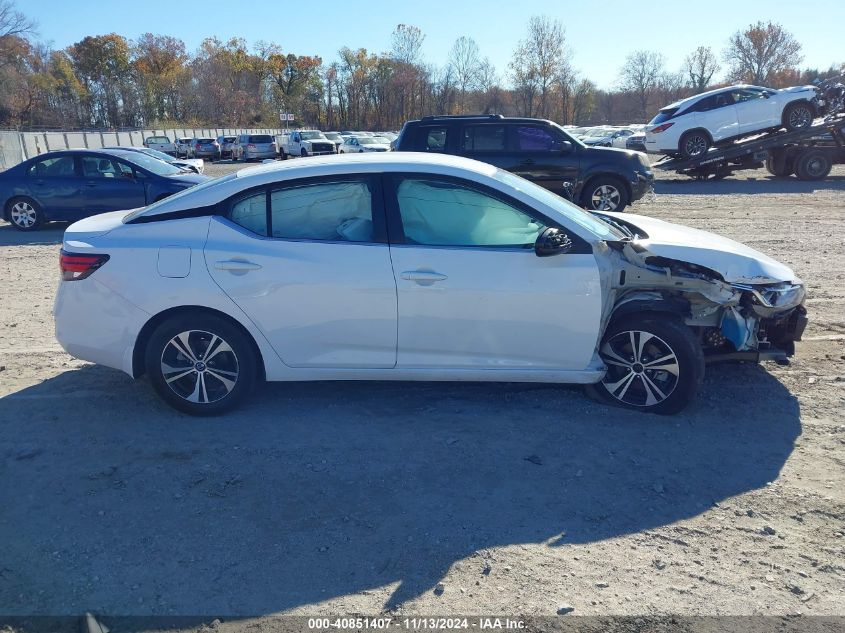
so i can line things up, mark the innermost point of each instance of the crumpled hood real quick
(737, 263)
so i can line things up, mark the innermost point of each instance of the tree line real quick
(108, 81)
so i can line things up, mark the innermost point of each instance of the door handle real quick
(236, 264)
(422, 276)
(90, 184)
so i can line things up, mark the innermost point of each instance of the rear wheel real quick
(694, 144)
(654, 364)
(605, 193)
(797, 116)
(25, 214)
(200, 364)
(812, 165)
(780, 166)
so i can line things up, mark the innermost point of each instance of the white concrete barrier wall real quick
(16, 147)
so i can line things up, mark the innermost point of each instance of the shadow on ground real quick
(51, 234)
(765, 184)
(113, 503)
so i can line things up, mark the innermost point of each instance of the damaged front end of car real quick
(745, 319)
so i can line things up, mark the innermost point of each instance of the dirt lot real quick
(326, 498)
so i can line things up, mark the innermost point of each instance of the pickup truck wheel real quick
(303, 153)
(797, 116)
(605, 193)
(654, 364)
(812, 165)
(693, 144)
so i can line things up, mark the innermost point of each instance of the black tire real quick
(234, 158)
(780, 167)
(694, 144)
(812, 165)
(798, 116)
(605, 193)
(201, 384)
(303, 153)
(665, 390)
(25, 214)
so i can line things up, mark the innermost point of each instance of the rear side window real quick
(53, 167)
(330, 211)
(260, 138)
(158, 139)
(535, 139)
(432, 139)
(251, 213)
(484, 138)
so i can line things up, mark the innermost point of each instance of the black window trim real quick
(396, 232)
(376, 200)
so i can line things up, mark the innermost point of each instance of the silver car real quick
(226, 144)
(254, 147)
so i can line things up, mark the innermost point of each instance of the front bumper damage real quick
(735, 321)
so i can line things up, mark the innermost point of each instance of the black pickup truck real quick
(598, 178)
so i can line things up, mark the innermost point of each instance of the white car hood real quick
(737, 263)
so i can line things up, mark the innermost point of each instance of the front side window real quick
(484, 138)
(326, 211)
(530, 138)
(446, 213)
(747, 94)
(61, 167)
(96, 167)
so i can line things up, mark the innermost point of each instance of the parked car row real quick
(303, 143)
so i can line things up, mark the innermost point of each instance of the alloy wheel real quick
(24, 215)
(605, 198)
(695, 145)
(199, 366)
(642, 369)
(800, 118)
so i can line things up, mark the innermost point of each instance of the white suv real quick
(688, 128)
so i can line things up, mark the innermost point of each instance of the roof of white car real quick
(214, 191)
(701, 95)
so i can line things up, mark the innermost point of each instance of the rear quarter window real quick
(432, 139)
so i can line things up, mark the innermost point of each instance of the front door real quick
(541, 157)
(313, 273)
(754, 110)
(473, 294)
(110, 185)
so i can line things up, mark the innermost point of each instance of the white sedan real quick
(361, 143)
(406, 266)
(690, 127)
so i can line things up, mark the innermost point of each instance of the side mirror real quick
(552, 242)
(565, 147)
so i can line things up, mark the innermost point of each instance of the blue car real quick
(73, 184)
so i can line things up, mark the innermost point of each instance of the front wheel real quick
(25, 214)
(798, 116)
(654, 364)
(200, 364)
(605, 193)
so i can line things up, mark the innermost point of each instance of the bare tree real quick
(406, 42)
(641, 76)
(700, 66)
(465, 65)
(536, 63)
(760, 52)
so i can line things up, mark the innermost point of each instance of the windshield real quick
(149, 163)
(312, 135)
(181, 194)
(582, 218)
(334, 136)
(371, 140)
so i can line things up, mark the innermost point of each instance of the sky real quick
(600, 34)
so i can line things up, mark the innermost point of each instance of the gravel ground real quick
(324, 498)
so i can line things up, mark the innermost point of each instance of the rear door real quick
(55, 184)
(540, 156)
(487, 142)
(717, 114)
(308, 262)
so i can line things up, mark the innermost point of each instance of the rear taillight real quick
(76, 266)
(661, 128)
